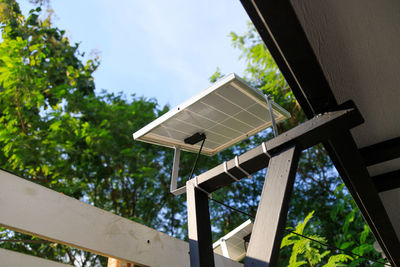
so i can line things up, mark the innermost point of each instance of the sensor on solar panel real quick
(227, 112)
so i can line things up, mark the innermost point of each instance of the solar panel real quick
(234, 242)
(227, 112)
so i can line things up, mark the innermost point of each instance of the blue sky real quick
(155, 48)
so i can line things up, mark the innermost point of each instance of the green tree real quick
(55, 131)
(42, 83)
(318, 251)
(306, 251)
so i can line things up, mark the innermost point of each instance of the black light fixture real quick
(246, 241)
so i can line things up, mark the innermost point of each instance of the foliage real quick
(308, 250)
(43, 82)
(305, 251)
(354, 235)
(56, 132)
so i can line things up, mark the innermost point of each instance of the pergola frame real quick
(281, 31)
(281, 154)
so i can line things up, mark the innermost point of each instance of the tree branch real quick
(19, 115)
(70, 256)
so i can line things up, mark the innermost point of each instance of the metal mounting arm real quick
(175, 174)
(271, 114)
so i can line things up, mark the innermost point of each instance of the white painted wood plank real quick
(33, 209)
(10, 258)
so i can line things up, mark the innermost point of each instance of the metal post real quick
(175, 174)
(271, 113)
(199, 227)
(175, 169)
(270, 220)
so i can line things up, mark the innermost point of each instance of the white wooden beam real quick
(33, 209)
(15, 259)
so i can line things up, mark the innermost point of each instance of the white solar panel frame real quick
(234, 241)
(146, 135)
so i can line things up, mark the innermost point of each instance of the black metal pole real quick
(270, 220)
(199, 227)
